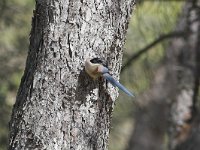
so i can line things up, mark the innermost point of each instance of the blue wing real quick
(108, 77)
(102, 69)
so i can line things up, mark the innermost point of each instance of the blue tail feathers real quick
(108, 77)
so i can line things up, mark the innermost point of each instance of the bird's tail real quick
(108, 77)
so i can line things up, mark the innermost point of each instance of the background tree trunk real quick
(58, 106)
(184, 56)
(171, 103)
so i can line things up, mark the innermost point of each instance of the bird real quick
(96, 68)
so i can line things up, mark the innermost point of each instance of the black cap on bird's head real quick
(98, 61)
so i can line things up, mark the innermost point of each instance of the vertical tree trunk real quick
(184, 65)
(58, 106)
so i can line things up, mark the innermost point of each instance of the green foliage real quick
(150, 20)
(15, 24)
(15, 80)
(15, 16)
(5, 112)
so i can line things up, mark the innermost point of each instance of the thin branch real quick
(148, 47)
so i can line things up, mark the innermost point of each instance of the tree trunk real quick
(184, 55)
(58, 105)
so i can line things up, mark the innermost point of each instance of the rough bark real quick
(58, 105)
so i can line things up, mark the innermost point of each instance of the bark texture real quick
(58, 105)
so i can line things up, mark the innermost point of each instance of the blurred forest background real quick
(161, 65)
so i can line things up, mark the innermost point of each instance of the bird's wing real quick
(101, 69)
